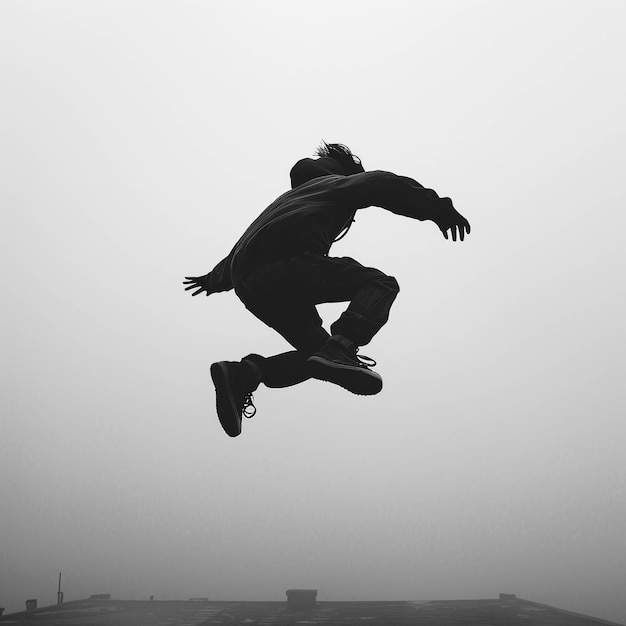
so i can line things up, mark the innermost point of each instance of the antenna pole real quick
(59, 592)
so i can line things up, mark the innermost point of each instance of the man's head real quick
(334, 158)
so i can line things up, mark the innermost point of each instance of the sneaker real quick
(337, 362)
(233, 400)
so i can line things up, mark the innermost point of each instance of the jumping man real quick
(280, 269)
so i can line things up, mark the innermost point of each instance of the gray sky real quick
(140, 139)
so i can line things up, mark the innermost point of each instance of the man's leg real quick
(301, 325)
(234, 382)
(371, 294)
(283, 295)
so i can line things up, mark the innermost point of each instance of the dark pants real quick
(283, 295)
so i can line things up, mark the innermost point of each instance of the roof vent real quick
(301, 598)
(31, 605)
(508, 596)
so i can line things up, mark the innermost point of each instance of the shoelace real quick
(248, 410)
(365, 361)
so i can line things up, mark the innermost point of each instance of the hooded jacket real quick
(310, 217)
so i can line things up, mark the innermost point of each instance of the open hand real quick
(199, 283)
(449, 219)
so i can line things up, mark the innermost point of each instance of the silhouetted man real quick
(280, 269)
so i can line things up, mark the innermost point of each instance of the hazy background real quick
(141, 137)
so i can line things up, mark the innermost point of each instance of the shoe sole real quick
(224, 402)
(358, 380)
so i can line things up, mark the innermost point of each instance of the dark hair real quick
(343, 155)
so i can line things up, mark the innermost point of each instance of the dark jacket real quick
(310, 217)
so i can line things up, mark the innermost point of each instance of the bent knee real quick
(390, 282)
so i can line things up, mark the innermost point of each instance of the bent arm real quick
(404, 196)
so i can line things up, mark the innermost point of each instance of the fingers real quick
(461, 230)
(452, 230)
(193, 282)
(464, 225)
(198, 289)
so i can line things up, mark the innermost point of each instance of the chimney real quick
(299, 599)
(1, 610)
(508, 596)
(31, 605)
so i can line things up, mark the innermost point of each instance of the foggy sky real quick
(139, 141)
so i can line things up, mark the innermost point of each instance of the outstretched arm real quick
(403, 196)
(218, 279)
